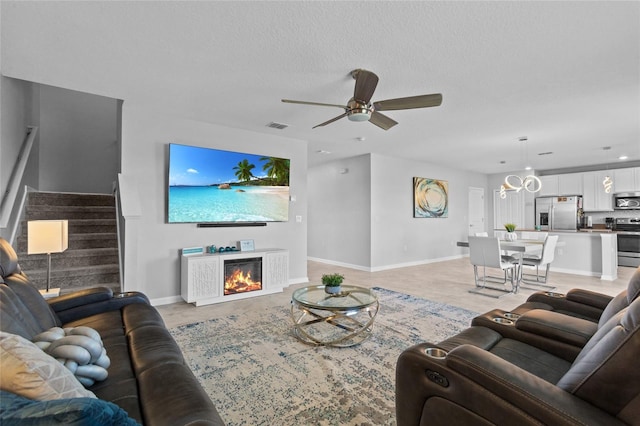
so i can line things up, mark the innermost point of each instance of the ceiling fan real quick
(360, 108)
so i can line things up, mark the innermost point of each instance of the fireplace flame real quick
(239, 282)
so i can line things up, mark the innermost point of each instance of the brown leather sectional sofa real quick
(148, 377)
(555, 360)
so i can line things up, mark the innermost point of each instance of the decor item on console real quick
(224, 188)
(511, 228)
(246, 245)
(148, 377)
(332, 283)
(430, 197)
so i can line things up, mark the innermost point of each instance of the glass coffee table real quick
(343, 319)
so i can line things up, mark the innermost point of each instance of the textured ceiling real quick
(564, 74)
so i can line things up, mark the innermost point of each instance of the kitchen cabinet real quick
(594, 198)
(626, 180)
(549, 185)
(509, 209)
(570, 184)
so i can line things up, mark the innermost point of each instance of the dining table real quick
(519, 247)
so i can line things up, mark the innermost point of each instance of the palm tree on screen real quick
(243, 170)
(277, 169)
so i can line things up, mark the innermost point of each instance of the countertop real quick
(562, 231)
(583, 230)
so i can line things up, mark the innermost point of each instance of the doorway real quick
(476, 211)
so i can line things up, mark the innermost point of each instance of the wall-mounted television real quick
(212, 186)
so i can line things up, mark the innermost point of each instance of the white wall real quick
(399, 239)
(339, 222)
(370, 225)
(145, 137)
(78, 141)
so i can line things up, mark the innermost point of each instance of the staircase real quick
(92, 257)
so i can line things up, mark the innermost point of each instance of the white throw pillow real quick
(29, 372)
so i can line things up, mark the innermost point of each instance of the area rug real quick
(257, 373)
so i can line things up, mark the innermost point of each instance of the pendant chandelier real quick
(607, 181)
(530, 183)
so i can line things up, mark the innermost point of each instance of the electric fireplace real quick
(242, 275)
(207, 278)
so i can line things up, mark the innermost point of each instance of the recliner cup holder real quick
(436, 353)
(501, 320)
(553, 294)
(511, 315)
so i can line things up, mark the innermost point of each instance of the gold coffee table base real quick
(341, 320)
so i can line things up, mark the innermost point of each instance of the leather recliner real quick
(480, 377)
(581, 303)
(560, 329)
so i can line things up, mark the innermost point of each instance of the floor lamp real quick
(47, 236)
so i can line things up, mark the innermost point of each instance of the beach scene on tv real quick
(211, 185)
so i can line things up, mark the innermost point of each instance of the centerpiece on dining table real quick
(511, 232)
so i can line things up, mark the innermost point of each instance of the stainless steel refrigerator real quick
(558, 213)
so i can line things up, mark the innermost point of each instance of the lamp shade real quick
(47, 236)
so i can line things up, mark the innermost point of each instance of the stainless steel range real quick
(628, 230)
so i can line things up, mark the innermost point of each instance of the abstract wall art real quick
(430, 197)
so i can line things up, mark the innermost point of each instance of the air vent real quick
(278, 126)
(545, 153)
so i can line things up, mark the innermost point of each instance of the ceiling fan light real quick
(359, 116)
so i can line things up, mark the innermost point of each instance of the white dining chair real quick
(543, 260)
(505, 254)
(485, 252)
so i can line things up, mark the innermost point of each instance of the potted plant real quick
(511, 235)
(332, 283)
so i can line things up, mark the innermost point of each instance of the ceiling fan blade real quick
(422, 101)
(382, 120)
(331, 121)
(366, 83)
(289, 101)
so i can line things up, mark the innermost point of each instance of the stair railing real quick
(8, 207)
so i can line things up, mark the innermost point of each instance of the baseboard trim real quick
(386, 267)
(166, 300)
(302, 280)
(574, 272)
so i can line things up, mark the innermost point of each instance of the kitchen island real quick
(591, 252)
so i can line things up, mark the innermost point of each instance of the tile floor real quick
(446, 282)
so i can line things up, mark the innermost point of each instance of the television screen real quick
(214, 186)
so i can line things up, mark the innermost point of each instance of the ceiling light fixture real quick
(530, 183)
(623, 157)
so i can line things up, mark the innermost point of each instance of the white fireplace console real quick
(202, 275)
